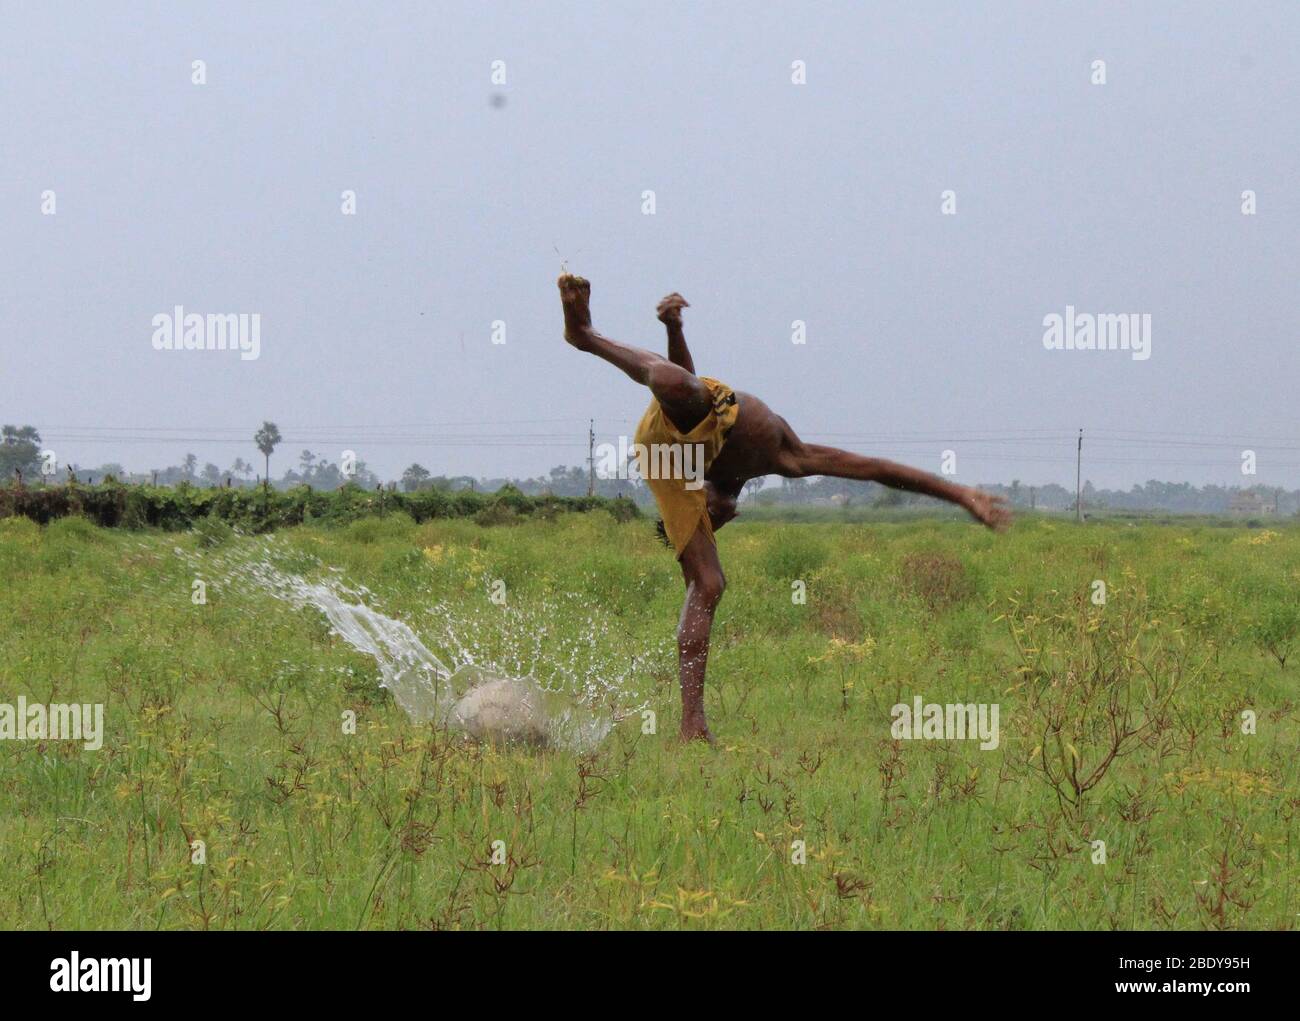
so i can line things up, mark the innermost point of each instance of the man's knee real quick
(722, 506)
(671, 384)
(709, 585)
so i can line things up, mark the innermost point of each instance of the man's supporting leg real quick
(705, 583)
(685, 399)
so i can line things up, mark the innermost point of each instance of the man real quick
(734, 437)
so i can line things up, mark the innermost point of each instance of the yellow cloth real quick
(665, 462)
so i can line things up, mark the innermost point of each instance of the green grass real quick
(224, 725)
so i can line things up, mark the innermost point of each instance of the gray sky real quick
(775, 202)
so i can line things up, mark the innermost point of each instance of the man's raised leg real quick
(685, 399)
(669, 313)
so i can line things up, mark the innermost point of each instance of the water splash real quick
(490, 660)
(419, 682)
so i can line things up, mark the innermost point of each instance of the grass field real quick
(1120, 723)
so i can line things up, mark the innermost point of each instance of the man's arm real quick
(913, 480)
(991, 510)
(670, 314)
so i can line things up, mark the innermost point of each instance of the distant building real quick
(1251, 503)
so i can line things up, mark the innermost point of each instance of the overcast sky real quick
(774, 202)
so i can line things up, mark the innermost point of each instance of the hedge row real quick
(115, 505)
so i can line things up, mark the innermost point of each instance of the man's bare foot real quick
(575, 296)
(989, 510)
(696, 730)
(670, 308)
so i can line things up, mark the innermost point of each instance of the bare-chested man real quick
(736, 437)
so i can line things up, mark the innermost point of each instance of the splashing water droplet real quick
(486, 703)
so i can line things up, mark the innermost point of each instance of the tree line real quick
(21, 458)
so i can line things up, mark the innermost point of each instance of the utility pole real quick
(1078, 481)
(1032, 497)
(591, 457)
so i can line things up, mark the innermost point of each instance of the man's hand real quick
(990, 510)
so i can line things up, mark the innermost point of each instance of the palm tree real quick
(266, 438)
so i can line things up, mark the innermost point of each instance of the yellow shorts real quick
(673, 463)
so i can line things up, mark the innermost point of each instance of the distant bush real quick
(394, 525)
(508, 506)
(115, 505)
(498, 514)
(623, 509)
(213, 532)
